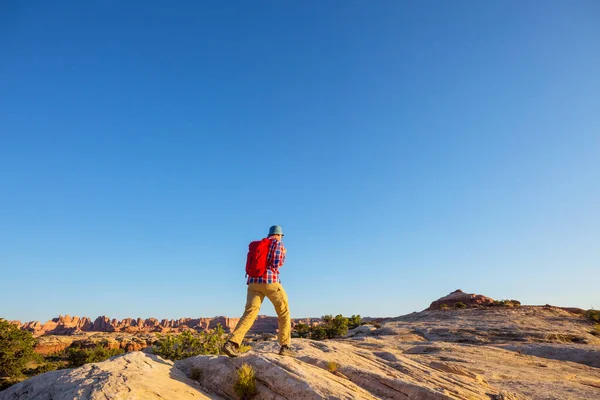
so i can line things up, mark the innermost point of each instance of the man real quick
(268, 285)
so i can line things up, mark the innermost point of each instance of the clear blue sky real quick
(407, 148)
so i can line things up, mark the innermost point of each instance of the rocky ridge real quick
(488, 353)
(67, 325)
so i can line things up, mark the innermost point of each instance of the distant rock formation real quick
(67, 325)
(479, 353)
(458, 296)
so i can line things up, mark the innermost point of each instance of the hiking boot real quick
(230, 348)
(286, 351)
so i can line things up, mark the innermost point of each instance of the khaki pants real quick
(254, 299)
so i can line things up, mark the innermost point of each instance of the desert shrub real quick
(196, 374)
(507, 303)
(77, 356)
(245, 384)
(336, 327)
(188, 344)
(354, 321)
(593, 315)
(244, 348)
(302, 330)
(332, 367)
(45, 367)
(444, 307)
(16, 349)
(460, 305)
(596, 330)
(5, 383)
(330, 327)
(318, 332)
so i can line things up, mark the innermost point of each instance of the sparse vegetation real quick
(244, 348)
(302, 330)
(245, 384)
(460, 304)
(25, 363)
(332, 367)
(354, 321)
(331, 327)
(188, 344)
(593, 315)
(78, 356)
(16, 350)
(596, 330)
(5, 383)
(507, 303)
(45, 367)
(444, 307)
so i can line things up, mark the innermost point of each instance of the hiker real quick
(263, 280)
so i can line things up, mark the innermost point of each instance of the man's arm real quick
(279, 255)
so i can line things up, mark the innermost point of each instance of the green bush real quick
(302, 330)
(593, 315)
(444, 307)
(330, 327)
(460, 305)
(354, 321)
(16, 349)
(41, 369)
(188, 344)
(507, 303)
(336, 327)
(596, 330)
(245, 384)
(318, 332)
(77, 356)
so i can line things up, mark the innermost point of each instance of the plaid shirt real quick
(275, 260)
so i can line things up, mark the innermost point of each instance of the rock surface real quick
(134, 375)
(492, 353)
(458, 296)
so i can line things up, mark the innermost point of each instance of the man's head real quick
(276, 232)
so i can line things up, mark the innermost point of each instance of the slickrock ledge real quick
(488, 353)
(131, 376)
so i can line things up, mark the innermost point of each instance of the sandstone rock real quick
(131, 376)
(362, 375)
(470, 300)
(67, 325)
(488, 353)
(360, 330)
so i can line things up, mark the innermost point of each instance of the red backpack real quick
(256, 263)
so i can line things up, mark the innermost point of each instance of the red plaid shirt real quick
(275, 259)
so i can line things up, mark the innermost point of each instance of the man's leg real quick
(280, 300)
(254, 300)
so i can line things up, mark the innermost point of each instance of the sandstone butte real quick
(511, 353)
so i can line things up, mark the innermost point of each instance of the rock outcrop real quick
(458, 296)
(133, 375)
(67, 325)
(491, 353)
(49, 344)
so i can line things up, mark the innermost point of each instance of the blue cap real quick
(275, 230)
